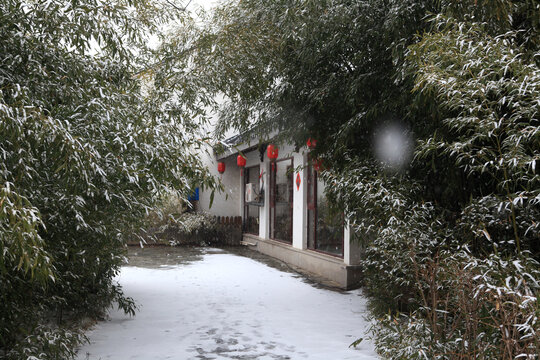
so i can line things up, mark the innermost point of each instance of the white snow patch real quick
(227, 306)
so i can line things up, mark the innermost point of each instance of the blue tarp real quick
(194, 196)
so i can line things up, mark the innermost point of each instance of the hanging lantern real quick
(272, 151)
(311, 143)
(241, 162)
(221, 167)
(317, 165)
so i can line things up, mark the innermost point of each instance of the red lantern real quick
(311, 143)
(317, 165)
(272, 151)
(241, 161)
(221, 167)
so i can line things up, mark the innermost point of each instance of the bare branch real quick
(178, 8)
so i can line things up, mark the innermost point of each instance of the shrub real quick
(47, 343)
(196, 228)
(187, 228)
(471, 309)
(85, 153)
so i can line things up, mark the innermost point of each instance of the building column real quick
(299, 203)
(241, 186)
(352, 251)
(264, 211)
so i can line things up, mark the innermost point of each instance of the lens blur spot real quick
(393, 146)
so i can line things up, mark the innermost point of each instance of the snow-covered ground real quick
(225, 306)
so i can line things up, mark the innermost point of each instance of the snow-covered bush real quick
(461, 276)
(174, 223)
(472, 308)
(170, 208)
(188, 228)
(46, 343)
(475, 290)
(196, 222)
(84, 154)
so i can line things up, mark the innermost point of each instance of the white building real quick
(285, 213)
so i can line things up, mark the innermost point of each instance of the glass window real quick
(251, 202)
(281, 200)
(325, 221)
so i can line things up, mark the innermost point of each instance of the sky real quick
(206, 4)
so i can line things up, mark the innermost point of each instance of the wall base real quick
(328, 267)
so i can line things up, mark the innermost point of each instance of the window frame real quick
(246, 205)
(272, 202)
(312, 205)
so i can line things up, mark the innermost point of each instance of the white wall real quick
(264, 217)
(225, 203)
(299, 203)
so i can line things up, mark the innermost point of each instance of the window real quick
(325, 221)
(281, 200)
(252, 204)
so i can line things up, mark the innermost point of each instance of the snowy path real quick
(226, 306)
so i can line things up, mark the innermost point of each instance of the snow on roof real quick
(245, 141)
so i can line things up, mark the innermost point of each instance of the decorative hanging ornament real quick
(241, 162)
(317, 165)
(311, 143)
(272, 152)
(221, 167)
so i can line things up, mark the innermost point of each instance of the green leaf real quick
(211, 198)
(356, 342)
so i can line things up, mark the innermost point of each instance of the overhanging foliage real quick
(86, 148)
